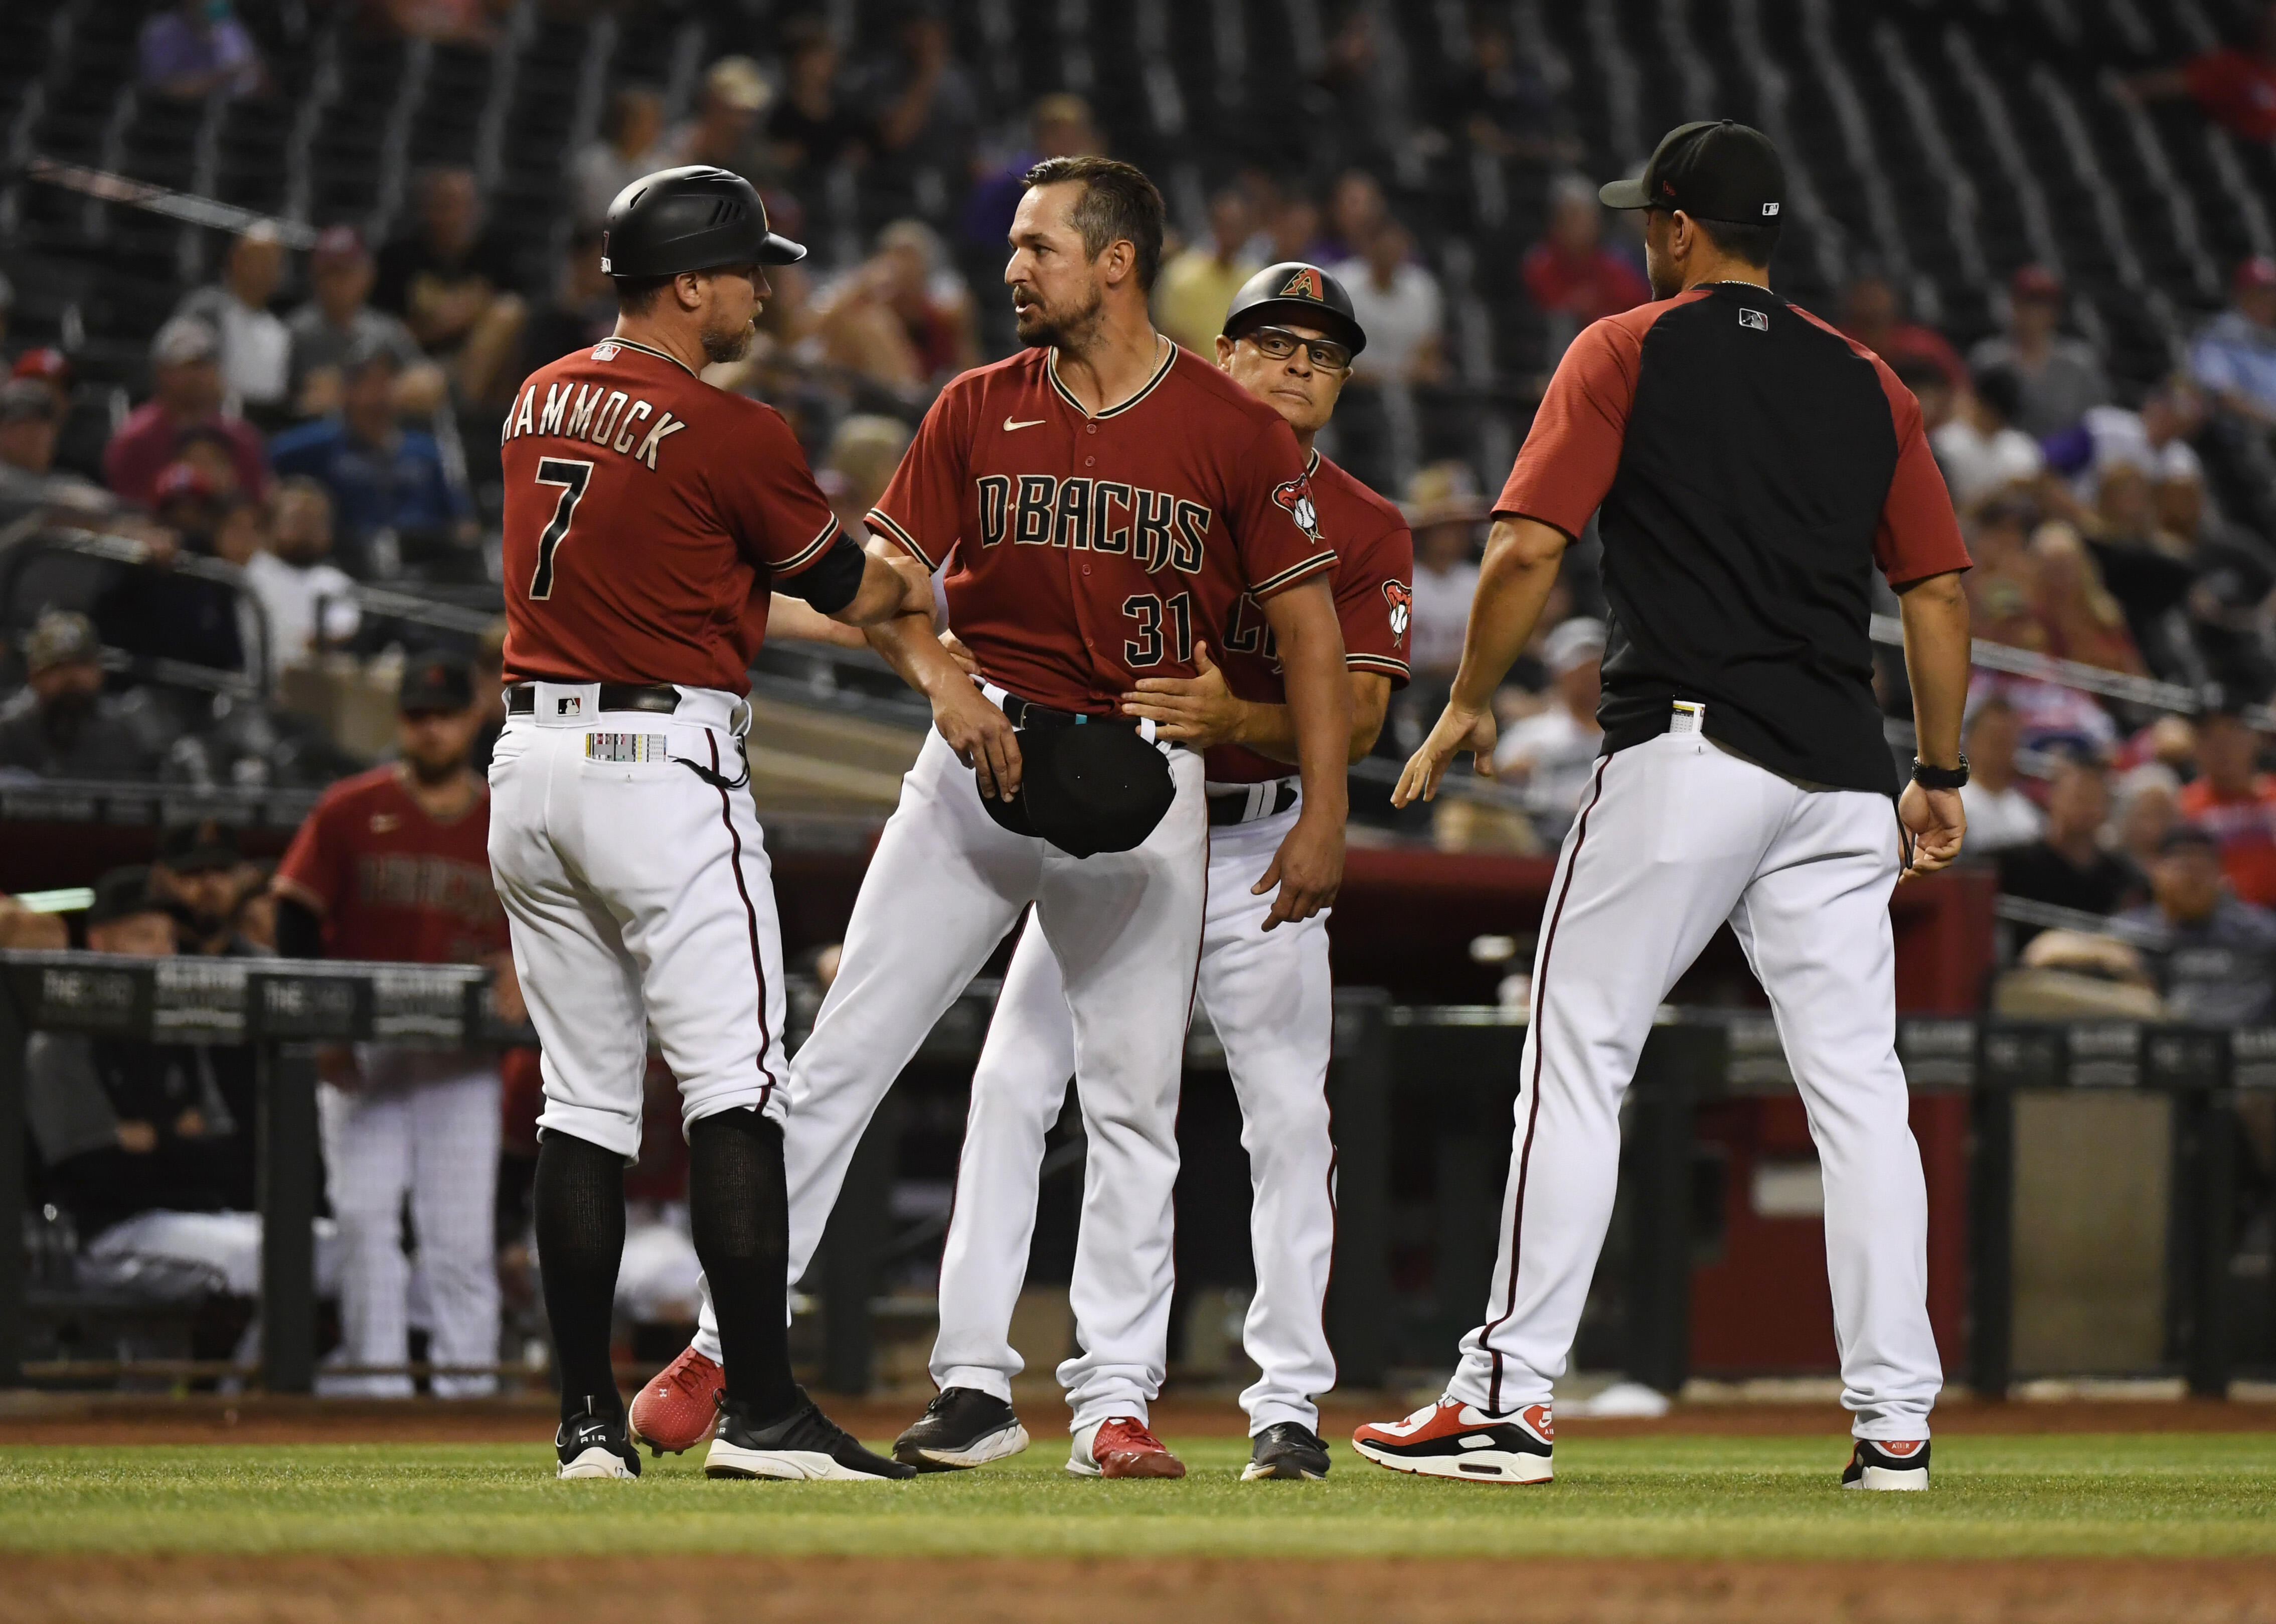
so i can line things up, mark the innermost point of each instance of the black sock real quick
(739, 1211)
(579, 1198)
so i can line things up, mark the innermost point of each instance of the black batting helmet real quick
(691, 218)
(1294, 292)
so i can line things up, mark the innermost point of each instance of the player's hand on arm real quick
(1934, 611)
(953, 647)
(1523, 556)
(982, 736)
(796, 620)
(1309, 869)
(1198, 711)
(892, 584)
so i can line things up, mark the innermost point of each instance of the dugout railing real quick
(1458, 1064)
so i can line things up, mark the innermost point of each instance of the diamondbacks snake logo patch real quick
(1295, 496)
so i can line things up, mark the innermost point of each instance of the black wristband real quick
(1940, 778)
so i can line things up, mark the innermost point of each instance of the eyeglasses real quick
(1279, 343)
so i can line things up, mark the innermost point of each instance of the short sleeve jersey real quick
(392, 882)
(1091, 551)
(1375, 596)
(1750, 468)
(648, 517)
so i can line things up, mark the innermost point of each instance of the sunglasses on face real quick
(1279, 343)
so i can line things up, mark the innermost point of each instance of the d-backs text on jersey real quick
(594, 413)
(1156, 527)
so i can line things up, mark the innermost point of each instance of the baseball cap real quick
(337, 244)
(183, 341)
(182, 481)
(47, 363)
(121, 893)
(736, 82)
(60, 637)
(2034, 282)
(1572, 645)
(198, 848)
(23, 398)
(1712, 169)
(2257, 272)
(436, 685)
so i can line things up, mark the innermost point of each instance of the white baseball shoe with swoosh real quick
(1453, 1439)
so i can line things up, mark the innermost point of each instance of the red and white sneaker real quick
(1453, 1439)
(1885, 1463)
(1121, 1447)
(677, 1408)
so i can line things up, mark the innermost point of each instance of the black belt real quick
(1229, 807)
(1026, 713)
(521, 698)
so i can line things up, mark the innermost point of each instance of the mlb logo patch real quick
(607, 351)
(569, 705)
(1754, 319)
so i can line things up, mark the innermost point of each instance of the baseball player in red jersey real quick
(647, 518)
(393, 865)
(1289, 341)
(1107, 498)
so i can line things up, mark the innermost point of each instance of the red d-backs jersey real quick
(647, 515)
(1090, 551)
(1375, 588)
(391, 882)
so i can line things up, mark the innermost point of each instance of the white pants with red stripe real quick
(640, 898)
(946, 885)
(1270, 999)
(1674, 836)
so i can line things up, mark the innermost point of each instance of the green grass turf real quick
(2144, 1495)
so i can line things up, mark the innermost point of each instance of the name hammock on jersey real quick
(597, 414)
(627, 748)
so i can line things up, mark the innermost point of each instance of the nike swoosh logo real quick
(1032, 422)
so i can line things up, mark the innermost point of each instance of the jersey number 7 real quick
(571, 475)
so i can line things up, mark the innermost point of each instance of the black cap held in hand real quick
(1711, 171)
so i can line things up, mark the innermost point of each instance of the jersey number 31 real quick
(571, 475)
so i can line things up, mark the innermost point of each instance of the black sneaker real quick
(1287, 1449)
(591, 1444)
(962, 1427)
(804, 1444)
(1886, 1464)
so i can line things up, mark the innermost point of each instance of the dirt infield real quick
(698, 1590)
(62, 1418)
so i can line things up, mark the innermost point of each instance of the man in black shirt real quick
(455, 283)
(2067, 865)
(1749, 469)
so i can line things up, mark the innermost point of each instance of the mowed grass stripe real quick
(2082, 1495)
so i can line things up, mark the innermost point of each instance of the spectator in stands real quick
(197, 877)
(62, 724)
(192, 50)
(2151, 574)
(1198, 282)
(1060, 126)
(2083, 621)
(1443, 510)
(812, 128)
(864, 453)
(186, 370)
(2233, 801)
(2061, 377)
(1398, 303)
(50, 366)
(1931, 387)
(2068, 865)
(2004, 593)
(582, 311)
(2155, 439)
(2234, 86)
(725, 132)
(1873, 314)
(2219, 964)
(339, 322)
(630, 145)
(453, 281)
(381, 475)
(158, 612)
(2000, 813)
(1571, 277)
(2234, 356)
(1501, 106)
(1293, 232)
(902, 319)
(29, 481)
(1356, 212)
(925, 108)
(256, 349)
(309, 601)
(2149, 798)
(1981, 450)
(1552, 751)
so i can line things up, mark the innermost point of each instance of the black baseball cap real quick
(1713, 169)
(122, 893)
(198, 848)
(436, 685)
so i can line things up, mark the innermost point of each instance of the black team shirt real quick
(1753, 468)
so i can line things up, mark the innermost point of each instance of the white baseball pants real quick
(640, 896)
(1674, 836)
(416, 1129)
(1271, 998)
(945, 885)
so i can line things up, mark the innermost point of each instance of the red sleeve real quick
(1574, 449)
(1275, 529)
(1375, 591)
(2212, 80)
(769, 500)
(1919, 535)
(310, 872)
(922, 508)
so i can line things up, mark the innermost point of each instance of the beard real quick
(434, 772)
(1040, 327)
(727, 344)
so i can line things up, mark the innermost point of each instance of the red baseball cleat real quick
(1121, 1447)
(677, 1408)
(1453, 1439)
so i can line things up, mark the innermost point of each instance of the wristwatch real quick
(1939, 778)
